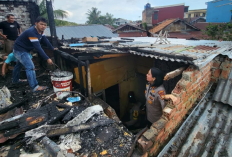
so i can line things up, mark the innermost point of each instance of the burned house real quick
(121, 68)
(105, 69)
(106, 72)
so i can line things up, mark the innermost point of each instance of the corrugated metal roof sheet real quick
(196, 52)
(206, 132)
(223, 92)
(81, 31)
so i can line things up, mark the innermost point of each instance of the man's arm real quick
(4, 36)
(20, 31)
(45, 41)
(4, 69)
(37, 46)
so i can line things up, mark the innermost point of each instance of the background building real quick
(121, 21)
(219, 11)
(154, 15)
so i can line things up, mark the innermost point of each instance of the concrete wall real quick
(219, 11)
(147, 16)
(24, 12)
(168, 13)
(183, 98)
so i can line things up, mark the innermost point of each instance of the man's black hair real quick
(8, 15)
(159, 76)
(40, 19)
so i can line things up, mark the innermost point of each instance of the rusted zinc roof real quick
(162, 25)
(195, 52)
(198, 53)
(167, 22)
(223, 92)
(206, 132)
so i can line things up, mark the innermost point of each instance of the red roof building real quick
(155, 15)
(177, 28)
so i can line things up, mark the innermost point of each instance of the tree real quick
(58, 15)
(221, 31)
(94, 17)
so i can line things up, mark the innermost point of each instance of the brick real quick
(159, 124)
(184, 112)
(214, 80)
(195, 87)
(190, 69)
(188, 76)
(217, 73)
(176, 116)
(155, 148)
(185, 84)
(177, 90)
(164, 138)
(179, 106)
(225, 74)
(225, 65)
(169, 126)
(144, 144)
(168, 112)
(150, 133)
(216, 64)
(161, 134)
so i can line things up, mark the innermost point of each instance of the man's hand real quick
(5, 37)
(56, 48)
(50, 61)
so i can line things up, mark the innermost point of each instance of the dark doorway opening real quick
(112, 98)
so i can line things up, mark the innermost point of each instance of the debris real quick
(4, 97)
(74, 99)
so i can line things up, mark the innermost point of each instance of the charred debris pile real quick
(40, 125)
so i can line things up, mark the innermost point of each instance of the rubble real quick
(44, 126)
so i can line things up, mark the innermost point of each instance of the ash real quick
(93, 137)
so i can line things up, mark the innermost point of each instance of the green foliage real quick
(221, 31)
(64, 23)
(94, 17)
(145, 25)
(58, 15)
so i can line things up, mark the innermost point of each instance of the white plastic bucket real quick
(62, 81)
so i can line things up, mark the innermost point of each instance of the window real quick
(203, 15)
(156, 16)
(189, 15)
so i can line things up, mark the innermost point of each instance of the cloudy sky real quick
(127, 9)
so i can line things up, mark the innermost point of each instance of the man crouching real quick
(27, 41)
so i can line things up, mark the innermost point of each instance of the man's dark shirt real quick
(10, 29)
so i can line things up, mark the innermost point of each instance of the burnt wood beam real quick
(73, 129)
(10, 107)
